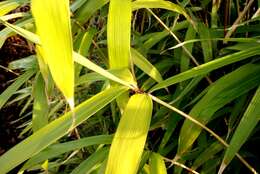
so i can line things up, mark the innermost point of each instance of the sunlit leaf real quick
(52, 19)
(129, 140)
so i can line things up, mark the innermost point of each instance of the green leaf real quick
(140, 61)
(25, 33)
(118, 33)
(52, 19)
(14, 86)
(7, 6)
(128, 143)
(242, 132)
(7, 32)
(219, 94)
(87, 63)
(207, 154)
(40, 105)
(138, 4)
(56, 129)
(24, 63)
(207, 67)
(185, 59)
(58, 149)
(157, 165)
(88, 9)
(92, 162)
(207, 48)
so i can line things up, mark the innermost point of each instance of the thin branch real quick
(180, 165)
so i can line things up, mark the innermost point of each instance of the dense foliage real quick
(126, 87)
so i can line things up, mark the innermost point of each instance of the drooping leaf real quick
(52, 19)
(129, 140)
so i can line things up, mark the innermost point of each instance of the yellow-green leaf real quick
(140, 61)
(118, 33)
(167, 5)
(7, 6)
(52, 19)
(128, 144)
(157, 165)
(40, 105)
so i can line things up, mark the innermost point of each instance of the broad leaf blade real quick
(129, 140)
(52, 19)
(56, 129)
(118, 33)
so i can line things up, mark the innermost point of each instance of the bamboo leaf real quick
(24, 63)
(14, 86)
(219, 94)
(40, 105)
(129, 140)
(208, 154)
(88, 9)
(157, 165)
(7, 6)
(140, 61)
(245, 127)
(207, 67)
(52, 19)
(207, 47)
(7, 32)
(88, 165)
(25, 33)
(185, 59)
(118, 33)
(56, 129)
(87, 63)
(58, 149)
(138, 4)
